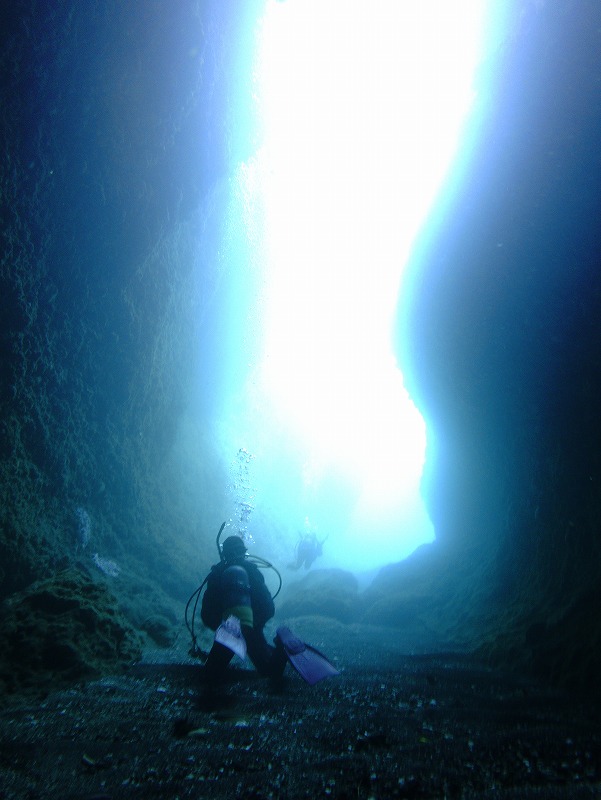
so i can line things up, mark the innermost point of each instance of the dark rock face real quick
(61, 630)
(500, 343)
(81, 299)
(160, 630)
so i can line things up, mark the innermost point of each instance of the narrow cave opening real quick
(359, 117)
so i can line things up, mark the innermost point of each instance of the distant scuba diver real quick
(307, 550)
(237, 605)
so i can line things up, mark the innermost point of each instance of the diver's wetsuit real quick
(244, 594)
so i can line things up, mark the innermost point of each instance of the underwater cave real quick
(129, 363)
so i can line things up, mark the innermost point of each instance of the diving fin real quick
(229, 634)
(310, 664)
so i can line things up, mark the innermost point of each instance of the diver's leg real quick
(269, 661)
(217, 662)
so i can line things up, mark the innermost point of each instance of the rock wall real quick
(499, 339)
(64, 629)
(106, 275)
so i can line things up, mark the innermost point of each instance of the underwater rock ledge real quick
(61, 630)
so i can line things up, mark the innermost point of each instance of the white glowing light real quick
(362, 105)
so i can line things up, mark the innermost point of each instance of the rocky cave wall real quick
(501, 347)
(107, 273)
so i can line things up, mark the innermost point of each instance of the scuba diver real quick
(307, 550)
(235, 587)
(237, 605)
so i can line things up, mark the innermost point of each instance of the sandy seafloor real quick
(391, 725)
